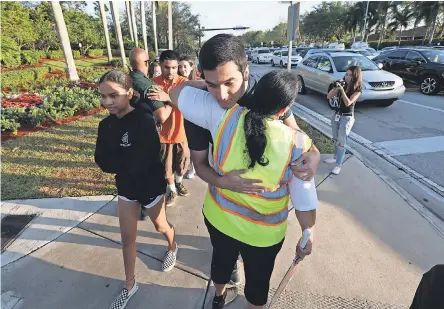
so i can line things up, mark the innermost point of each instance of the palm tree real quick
(115, 12)
(133, 19)
(429, 11)
(383, 8)
(128, 17)
(105, 29)
(154, 5)
(64, 41)
(142, 17)
(402, 14)
(352, 19)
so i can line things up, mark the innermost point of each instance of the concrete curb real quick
(368, 144)
(302, 112)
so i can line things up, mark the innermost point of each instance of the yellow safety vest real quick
(258, 220)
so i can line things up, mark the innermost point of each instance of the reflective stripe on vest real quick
(245, 211)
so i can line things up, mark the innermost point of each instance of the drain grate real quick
(300, 300)
(11, 227)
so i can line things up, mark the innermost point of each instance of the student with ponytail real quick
(252, 140)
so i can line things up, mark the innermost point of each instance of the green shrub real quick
(21, 77)
(9, 124)
(116, 63)
(32, 56)
(96, 52)
(76, 54)
(152, 54)
(55, 54)
(92, 74)
(10, 55)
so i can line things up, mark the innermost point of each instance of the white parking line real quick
(423, 106)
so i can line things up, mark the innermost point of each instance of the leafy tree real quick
(84, 29)
(16, 24)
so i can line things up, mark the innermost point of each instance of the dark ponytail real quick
(275, 91)
(254, 127)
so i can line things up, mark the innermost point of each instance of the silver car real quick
(320, 70)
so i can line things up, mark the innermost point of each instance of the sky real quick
(258, 15)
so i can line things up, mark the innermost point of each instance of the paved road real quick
(411, 130)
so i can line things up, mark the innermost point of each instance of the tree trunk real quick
(382, 33)
(170, 26)
(105, 29)
(142, 17)
(130, 22)
(133, 19)
(400, 33)
(64, 41)
(426, 35)
(432, 32)
(118, 32)
(153, 9)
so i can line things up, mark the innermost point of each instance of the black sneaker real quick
(171, 196)
(230, 294)
(181, 190)
(143, 213)
(235, 276)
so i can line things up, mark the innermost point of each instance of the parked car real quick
(373, 51)
(363, 52)
(339, 46)
(312, 51)
(421, 66)
(280, 58)
(388, 48)
(261, 55)
(319, 71)
(359, 45)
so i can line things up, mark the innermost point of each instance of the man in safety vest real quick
(226, 76)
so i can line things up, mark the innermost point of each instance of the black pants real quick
(430, 292)
(258, 264)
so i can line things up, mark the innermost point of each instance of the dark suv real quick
(422, 66)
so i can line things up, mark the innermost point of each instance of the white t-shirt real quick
(200, 107)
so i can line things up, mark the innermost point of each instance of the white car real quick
(363, 52)
(359, 45)
(338, 46)
(319, 71)
(280, 58)
(261, 55)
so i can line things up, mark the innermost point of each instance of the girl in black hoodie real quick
(128, 145)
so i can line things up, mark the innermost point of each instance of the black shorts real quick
(142, 189)
(258, 264)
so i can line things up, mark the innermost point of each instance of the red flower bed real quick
(24, 100)
(55, 73)
(84, 85)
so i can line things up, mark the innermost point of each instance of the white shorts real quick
(152, 202)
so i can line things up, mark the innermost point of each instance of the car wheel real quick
(301, 85)
(430, 85)
(333, 102)
(272, 63)
(386, 103)
(282, 64)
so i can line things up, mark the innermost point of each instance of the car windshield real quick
(284, 53)
(372, 50)
(263, 51)
(436, 56)
(342, 63)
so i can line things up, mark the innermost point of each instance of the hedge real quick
(10, 58)
(96, 52)
(32, 56)
(116, 52)
(15, 78)
(55, 54)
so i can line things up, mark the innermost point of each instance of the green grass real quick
(322, 142)
(57, 162)
(80, 63)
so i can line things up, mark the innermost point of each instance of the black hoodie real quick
(130, 148)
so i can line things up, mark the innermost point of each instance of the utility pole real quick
(365, 23)
(293, 28)
(142, 17)
(133, 19)
(170, 25)
(130, 23)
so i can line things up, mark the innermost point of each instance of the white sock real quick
(172, 187)
(179, 179)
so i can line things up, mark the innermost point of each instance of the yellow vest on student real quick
(257, 220)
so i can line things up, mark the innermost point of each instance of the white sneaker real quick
(336, 170)
(124, 296)
(330, 160)
(170, 260)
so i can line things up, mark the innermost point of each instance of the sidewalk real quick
(371, 249)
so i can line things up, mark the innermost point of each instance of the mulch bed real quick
(42, 61)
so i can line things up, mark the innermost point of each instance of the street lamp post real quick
(202, 29)
(293, 27)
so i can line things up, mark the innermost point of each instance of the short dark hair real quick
(168, 55)
(220, 49)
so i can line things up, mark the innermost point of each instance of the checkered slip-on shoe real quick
(123, 298)
(170, 260)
